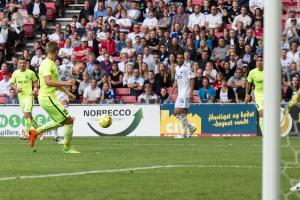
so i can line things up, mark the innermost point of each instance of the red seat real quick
(122, 91)
(174, 97)
(128, 99)
(197, 2)
(67, 2)
(51, 11)
(28, 30)
(3, 99)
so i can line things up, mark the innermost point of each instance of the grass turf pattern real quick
(215, 168)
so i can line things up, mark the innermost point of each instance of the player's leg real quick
(293, 102)
(64, 100)
(68, 133)
(26, 107)
(259, 103)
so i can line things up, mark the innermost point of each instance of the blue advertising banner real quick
(213, 120)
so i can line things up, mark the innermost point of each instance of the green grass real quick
(218, 168)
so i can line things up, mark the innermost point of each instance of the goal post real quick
(272, 96)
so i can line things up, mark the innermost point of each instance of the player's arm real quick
(248, 86)
(192, 82)
(67, 92)
(53, 83)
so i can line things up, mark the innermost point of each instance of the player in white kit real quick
(67, 72)
(184, 80)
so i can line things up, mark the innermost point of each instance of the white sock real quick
(183, 121)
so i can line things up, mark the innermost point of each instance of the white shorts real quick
(182, 102)
(61, 96)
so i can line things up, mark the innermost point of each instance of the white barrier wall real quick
(128, 120)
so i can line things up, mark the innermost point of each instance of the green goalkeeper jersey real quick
(23, 80)
(47, 67)
(257, 78)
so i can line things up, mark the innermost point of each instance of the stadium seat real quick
(197, 2)
(51, 11)
(28, 30)
(170, 90)
(3, 100)
(122, 91)
(67, 2)
(81, 98)
(128, 99)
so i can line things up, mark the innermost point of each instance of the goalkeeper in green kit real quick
(49, 83)
(22, 81)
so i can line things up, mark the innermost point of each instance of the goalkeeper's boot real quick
(33, 135)
(70, 150)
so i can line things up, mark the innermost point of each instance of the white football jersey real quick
(183, 75)
(65, 73)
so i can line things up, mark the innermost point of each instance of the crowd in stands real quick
(131, 48)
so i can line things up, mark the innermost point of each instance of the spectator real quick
(213, 20)
(219, 53)
(67, 50)
(13, 97)
(100, 11)
(84, 83)
(164, 96)
(240, 92)
(285, 61)
(225, 94)
(82, 51)
(295, 84)
(292, 15)
(218, 82)
(134, 13)
(243, 17)
(135, 83)
(175, 48)
(251, 40)
(150, 21)
(236, 80)
(92, 93)
(55, 37)
(107, 94)
(128, 74)
(124, 22)
(196, 18)
(37, 13)
(109, 44)
(97, 73)
(4, 70)
(75, 22)
(163, 76)
(180, 18)
(198, 83)
(165, 21)
(36, 60)
(233, 12)
(253, 4)
(86, 11)
(148, 97)
(128, 49)
(286, 92)
(75, 40)
(116, 76)
(155, 83)
(294, 54)
(293, 71)
(210, 72)
(5, 85)
(206, 93)
(106, 64)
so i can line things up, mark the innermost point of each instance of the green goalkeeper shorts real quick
(54, 108)
(26, 104)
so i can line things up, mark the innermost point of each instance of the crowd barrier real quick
(143, 120)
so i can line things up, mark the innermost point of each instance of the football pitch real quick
(138, 168)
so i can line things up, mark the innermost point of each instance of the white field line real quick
(104, 171)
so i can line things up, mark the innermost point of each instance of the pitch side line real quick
(124, 170)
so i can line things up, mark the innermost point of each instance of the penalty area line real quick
(103, 171)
